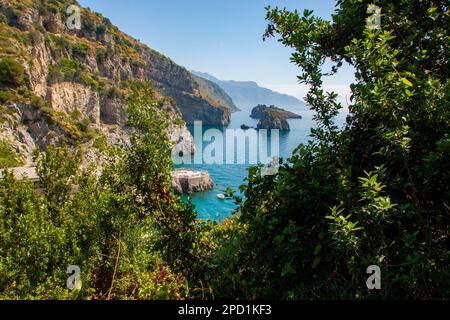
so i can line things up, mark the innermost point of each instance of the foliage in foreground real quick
(8, 157)
(376, 193)
(131, 237)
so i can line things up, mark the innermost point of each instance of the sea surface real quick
(208, 205)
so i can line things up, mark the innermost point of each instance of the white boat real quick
(221, 196)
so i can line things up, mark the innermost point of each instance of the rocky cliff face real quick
(271, 121)
(273, 117)
(246, 94)
(76, 81)
(215, 94)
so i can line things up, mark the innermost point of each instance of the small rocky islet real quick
(271, 117)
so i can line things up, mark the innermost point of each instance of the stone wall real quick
(187, 181)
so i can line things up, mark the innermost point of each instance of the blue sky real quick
(221, 37)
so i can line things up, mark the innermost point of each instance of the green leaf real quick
(317, 249)
(287, 269)
(316, 262)
(407, 82)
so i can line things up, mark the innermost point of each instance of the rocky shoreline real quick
(189, 181)
(183, 181)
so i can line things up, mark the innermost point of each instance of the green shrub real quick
(4, 112)
(376, 192)
(70, 66)
(76, 115)
(126, 248)
(61, 42)
(80, 50)
(53, 6)
(23, 38)
(100, 30)
(115, 92)
(92, 81)
(55, 74)
(102, 54)
(101, 143)
(73, 71)
(3, 18)
(12, 73)
(35, 37)
(89, 134)
(6, 96)
(84, 124)
(39, 102)
(8, 157)
(107, 22)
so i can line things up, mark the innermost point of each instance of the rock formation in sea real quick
(273, 117)
(259, 111)
(272, 121)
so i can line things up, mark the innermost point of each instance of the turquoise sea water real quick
(207, 203)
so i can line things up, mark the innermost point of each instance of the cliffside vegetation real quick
(12, 74)
(131, 236)
(48, 72)
(260, 110)
(8, 157)
(215, 94)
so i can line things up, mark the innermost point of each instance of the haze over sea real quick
(232, 176)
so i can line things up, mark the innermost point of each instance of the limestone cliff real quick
(215, 94)
(76, 81)
(271, 121)
(247, 94)
(273, 117)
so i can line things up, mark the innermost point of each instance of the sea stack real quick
(273, 117)
(188, 181)
(271, 121)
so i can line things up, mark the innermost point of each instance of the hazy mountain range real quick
(248, 94)
(214, 94)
